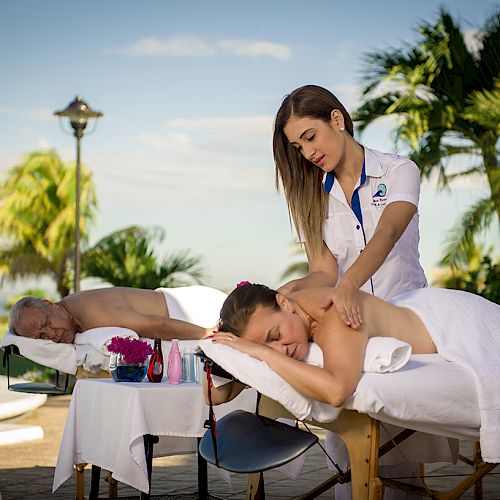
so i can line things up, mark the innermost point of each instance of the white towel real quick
(466, 330)
(261, 377)
(45, 352)
(383, 355)
(91, 359)
(99, 338)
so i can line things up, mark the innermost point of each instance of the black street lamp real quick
(79, 113)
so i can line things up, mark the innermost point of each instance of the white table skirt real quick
(106, 423)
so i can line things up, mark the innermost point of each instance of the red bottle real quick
(155, 369)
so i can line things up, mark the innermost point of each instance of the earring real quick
(342, 129)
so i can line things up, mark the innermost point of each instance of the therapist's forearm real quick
(370, 260)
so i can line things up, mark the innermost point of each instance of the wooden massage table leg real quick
(80, 481)
(361, 436)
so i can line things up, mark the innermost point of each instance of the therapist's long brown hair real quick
(300, 178)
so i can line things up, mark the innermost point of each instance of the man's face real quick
(49, 323)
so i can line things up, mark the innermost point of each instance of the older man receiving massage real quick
(144, 311)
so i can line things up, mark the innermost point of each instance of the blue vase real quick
(122, 372)
(129, 373)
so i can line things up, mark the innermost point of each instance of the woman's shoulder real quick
(388, 161)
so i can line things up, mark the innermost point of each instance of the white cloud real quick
(234, 125)
(194, 46)
(213, 137)
(255, 48)
(40, 114)
(180, 46)
(473, 39)
(173, 141)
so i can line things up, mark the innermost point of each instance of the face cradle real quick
(50, 323)
(281, 330)
(319, 142)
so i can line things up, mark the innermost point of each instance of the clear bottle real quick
(174, 369)
(155, 369)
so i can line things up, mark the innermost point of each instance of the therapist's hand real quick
(210, 331)
(345, 300)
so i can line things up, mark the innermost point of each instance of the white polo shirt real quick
(346, 231)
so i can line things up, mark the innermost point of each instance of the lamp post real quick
(79, 113)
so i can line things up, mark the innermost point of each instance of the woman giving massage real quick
(276, 329)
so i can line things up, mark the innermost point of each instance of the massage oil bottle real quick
(174, 369)
(155, 369)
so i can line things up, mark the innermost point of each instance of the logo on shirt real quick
(379, 199)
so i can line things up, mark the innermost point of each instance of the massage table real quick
(429, 395)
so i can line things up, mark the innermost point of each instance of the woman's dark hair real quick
(241, 303)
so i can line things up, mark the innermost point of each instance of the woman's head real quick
(267, 317)
(300, 176)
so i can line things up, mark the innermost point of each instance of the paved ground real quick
(26, 470)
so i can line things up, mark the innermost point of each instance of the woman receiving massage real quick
(460, 326)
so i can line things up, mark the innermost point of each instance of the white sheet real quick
(58, 356)
(466, 330)
(428, 394)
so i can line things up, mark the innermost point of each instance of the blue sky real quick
(188, 91)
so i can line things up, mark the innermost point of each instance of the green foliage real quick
(446, 96)
(482, 279)
(37, 218)
(126, 258)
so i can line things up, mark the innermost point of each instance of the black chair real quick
(246, 442)
(59, 388)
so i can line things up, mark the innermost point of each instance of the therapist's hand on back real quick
(345, 299)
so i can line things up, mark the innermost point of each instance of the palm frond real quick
(460, 240)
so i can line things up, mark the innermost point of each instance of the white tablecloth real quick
(106, 423)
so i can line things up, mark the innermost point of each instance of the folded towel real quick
(383, 355)
(91, 359)
(99, 338)
(45, 352)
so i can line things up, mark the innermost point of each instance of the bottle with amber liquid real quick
(155, 369)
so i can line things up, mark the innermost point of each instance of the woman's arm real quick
(323, 271)
(343, 352)
(223, 393)
(392, 224)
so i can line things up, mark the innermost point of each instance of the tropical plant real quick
(37, 218)
(126, 258)
(481, 276)
(299, 267)
(446, 95)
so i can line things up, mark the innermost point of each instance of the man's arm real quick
(149, 325)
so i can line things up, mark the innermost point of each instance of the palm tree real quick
(126, 258)
(37, 218)
(447, 98)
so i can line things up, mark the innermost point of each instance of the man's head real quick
(36, 318)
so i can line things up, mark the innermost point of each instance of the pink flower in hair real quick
(242, 283)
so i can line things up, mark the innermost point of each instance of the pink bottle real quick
(174, 370)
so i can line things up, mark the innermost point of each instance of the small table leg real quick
(202, 475)
(94, 483)
(149, 442)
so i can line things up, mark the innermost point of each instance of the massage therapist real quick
(355, 208)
